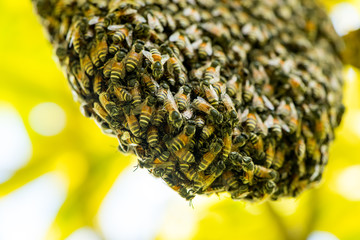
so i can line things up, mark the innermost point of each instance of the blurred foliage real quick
(90, 163)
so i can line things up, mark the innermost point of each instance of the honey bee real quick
(135, 91)
(182, 98)
(121, 33)
(212, 73)
(117, 70)
(157, 62)
(114, 48)
(101, 112)
(233, 87)
(207, 131)
(170, 21)
(208, 180)
(239, 141)
(229, 105)
(134, 125)
(229, 180)
(152, 136)
(257, 143)
(204, 47)
(94, 54)
(279, 158)
(99, 83)
(150, 83)
(146, 112)
(322, 126)
(210, 156)
(185, 155)
(163, 157)
(268, 189)
(190, 173)
(270, 152)
(210, 93)
(129, 139)
(311, 145)
(110, 106)
(174, 67)
(199, 121)
(158, 117)
(219, 55)
(276, 125)
(171, 107)
(263, 172)
(251, 122)
(163, 92)
(101, 48)
(220, 87)
(203, 106)
(249, 91)
(76, 34)
(240, 193)
(154, 22)
(182, 139)
(227, 144)
(86, 64)
(258, 103)
(135, 56)
(122, 94)
(142, 30)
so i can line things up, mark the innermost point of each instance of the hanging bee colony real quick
(212, 96)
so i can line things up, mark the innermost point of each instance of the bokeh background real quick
(61, 178)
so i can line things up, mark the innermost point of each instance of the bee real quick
(220, 87)
(170, 21)
(114, 48)
(122, 94)
(101, 112)
(185, 155)
(152, 136)
(86, 64)
(163, 92)
(101, 48)
(270, 152)
(108, 66)
(158, 117)
(157, 62)
(182, 98)
(94, 54)
(118, 67)
(311, 145)
(182, 139)
(142, 30)
(210, 93)
(163, 157)
(135, 91)
(258, 103)
(129, 139)
(239, 141)
(268, 189)
(203, 106)
(146, 112)
(207, 131)
(150, 83)
(263, 172)
(171, 107)
(212, 73)
(322, 126)
(182, 78)
(219, 55)
(300, 152)
(135, 56)
(233, 87)
(134, 125)
(229, 106)
(229, 180)
(276, 125)
(251, 121)
(249, 91)
(121, 33)
(208, 180)
(257, 143)
(227, 144)
(240, 193)
(190, 173)
(199, 121)
(76, 34)
(284, 109)
(154, 22)
(173, 65)
(210, 156)
(279, 158)
(248, 166)
(109, 105)
(204, 47)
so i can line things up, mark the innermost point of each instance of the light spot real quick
(345, 18)
(47, 119)
(135, 206)
(84, 233)
(322, 235)
(15, 144)
(28, 212)
(350, 75)
(348, 183)
(285, 206)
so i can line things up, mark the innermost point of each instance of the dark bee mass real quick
(212, 96)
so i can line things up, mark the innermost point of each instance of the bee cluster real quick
(212, 96)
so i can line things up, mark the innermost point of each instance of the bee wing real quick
(197, 44)
(188, 113)
(148, 55)
(188, 45)
(171, 99)
(213, 92)
(115, 27)
(209, 49)
(152, 21)
(179, 93)
(217, 74)
(268, 103)
(284, 126)
(164, 58)
(129, 38)
(243, 115)
(94, 20)
(260, 124)
(269, 122)
(174, 37)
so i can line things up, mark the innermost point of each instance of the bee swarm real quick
(212, 96)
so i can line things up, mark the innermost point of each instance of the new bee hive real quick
(212, 96)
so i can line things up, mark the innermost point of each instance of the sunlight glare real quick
(345, 18)
(348, 183)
